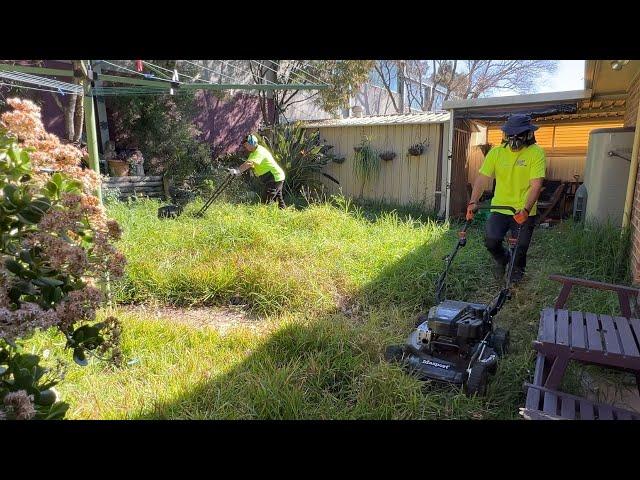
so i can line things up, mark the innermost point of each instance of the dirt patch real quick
(620, 390)
(218, 318)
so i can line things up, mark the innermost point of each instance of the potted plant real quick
(136, 161)
(417, 149)
(119, 168)
(366, 163)
(338, 160)
(388, 155)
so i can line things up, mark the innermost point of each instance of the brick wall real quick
(630, 121)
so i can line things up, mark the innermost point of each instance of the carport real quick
(565, 120)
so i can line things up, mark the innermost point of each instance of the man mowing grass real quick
(263, 164)
(518, 166)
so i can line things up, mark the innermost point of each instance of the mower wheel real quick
(500, 341)
(477, 381)
(394, 353)
(423, 317)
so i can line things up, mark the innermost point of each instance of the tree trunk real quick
(69, 112)
(78, 119)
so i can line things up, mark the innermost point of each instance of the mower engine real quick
(451, 325)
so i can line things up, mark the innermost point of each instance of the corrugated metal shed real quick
(377, 120)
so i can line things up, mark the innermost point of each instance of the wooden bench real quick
(546, 404)
(563, 335)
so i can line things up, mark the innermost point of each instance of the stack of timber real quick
(136, 186)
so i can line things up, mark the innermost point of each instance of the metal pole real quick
(447, 185)
(90, 126)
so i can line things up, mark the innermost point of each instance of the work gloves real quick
(472, 208)
(521, 216)
(235, 172)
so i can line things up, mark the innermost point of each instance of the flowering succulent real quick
(56, 252)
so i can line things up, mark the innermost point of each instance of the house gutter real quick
(633, 172)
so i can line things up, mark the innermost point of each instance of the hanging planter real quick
(338, 160)
(387, 156)
(357, 149)
(417, 149)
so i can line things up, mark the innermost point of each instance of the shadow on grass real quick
(330, 366)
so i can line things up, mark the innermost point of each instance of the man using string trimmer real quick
(518, 166)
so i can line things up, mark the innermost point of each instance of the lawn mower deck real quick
(456, 342)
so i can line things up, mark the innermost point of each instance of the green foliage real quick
(299, 152)
(23, 371)
(28, 276)
(343, 77)
(366, 161)
(162, 127)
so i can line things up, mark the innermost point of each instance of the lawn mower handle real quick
(462, 241)
(223, 185)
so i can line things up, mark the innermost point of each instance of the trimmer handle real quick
(488, 207)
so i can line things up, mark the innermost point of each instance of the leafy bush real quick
(162, 127)
(55, 252)
(366, 161)
(299, 152)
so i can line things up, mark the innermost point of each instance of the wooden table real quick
(609, 341)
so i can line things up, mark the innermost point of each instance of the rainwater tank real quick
(606, 173)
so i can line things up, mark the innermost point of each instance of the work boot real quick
(498, 269)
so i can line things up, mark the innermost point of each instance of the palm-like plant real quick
(299, 152)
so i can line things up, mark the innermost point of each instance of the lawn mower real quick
(174, 211)
(456, 342)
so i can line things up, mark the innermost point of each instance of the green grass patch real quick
(314, 359)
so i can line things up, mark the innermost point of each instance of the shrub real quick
(299, 152)
(56, 253)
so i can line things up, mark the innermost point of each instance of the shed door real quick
(459, 166)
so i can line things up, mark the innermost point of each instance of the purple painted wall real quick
(52, 113)
(224, 122)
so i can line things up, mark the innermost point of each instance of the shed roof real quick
(395, 119)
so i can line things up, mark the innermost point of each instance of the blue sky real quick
(568, 76)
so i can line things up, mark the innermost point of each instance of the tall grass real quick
(332, 285)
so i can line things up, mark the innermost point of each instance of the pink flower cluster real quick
(25, 122)
(20, 404)
(74, 236)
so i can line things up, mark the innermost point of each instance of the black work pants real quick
(274, 190)
(497, 226)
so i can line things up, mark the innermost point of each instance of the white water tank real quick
(606, 173)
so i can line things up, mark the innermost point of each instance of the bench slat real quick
(622, 415)
(605, 412)
(629, 346)
(578, 331)
(550, 403)
(568, 408)
(548, 326)
(593, 332)
(634, 323)
(610, 335)
(586, 410)
(562, 327)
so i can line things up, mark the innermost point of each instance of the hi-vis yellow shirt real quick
(263, 162)
(513, 171)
